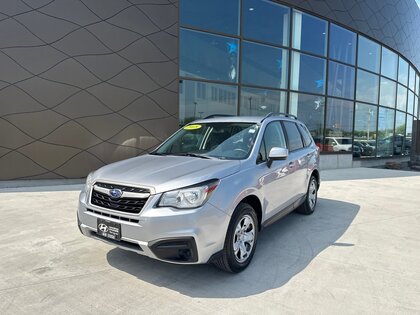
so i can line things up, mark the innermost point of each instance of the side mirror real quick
(277, 154)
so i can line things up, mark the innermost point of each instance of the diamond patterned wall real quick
(84, 83)
(395, 23)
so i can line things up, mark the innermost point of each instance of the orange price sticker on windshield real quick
(192, 127)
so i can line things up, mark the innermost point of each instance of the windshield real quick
(223, 140)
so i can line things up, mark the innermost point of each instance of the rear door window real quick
(293, 136)
(307, 138)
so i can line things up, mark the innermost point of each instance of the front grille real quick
(124, 188)
(123, 204)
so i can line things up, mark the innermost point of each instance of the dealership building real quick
(84, 83)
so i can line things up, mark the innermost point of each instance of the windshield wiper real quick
(192, 155)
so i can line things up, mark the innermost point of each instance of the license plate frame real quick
(108, 229)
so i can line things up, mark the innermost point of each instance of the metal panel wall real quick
(84, 83)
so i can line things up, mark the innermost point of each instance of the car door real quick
(298, 159)
(274, 180)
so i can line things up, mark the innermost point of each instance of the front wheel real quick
(308, 206)
(241, 240)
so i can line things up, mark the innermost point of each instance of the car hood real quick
(162, 173)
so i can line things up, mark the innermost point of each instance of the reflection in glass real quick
(338, 126)
(409, 134)
(402, 98)
(385, 132)
(388, 93)
(389, 63)
(201, 99)
(265, 21)
(365, 130)
(264, 65)
(410, 103)
(260, 102)
(402, 71)
(310, 110)
(342, 44)
(308, 73)
(367, 87)
(399, 139)
(208, 56)
(412, 78)
(309, 33)
(340, 80)
(368, 54)
(417, 84)
(416, 107)
(207, 15)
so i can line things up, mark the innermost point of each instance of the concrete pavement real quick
(359, 253)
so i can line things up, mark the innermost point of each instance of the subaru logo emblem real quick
(103, 228)
(115, 193)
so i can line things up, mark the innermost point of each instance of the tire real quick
(308, 206)
(231, 259)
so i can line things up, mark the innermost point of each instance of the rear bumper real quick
(176, 236)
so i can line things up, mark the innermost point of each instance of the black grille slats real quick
(128, 205)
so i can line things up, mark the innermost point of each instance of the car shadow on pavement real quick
(284, 250)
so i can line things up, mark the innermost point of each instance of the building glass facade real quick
(261, 56)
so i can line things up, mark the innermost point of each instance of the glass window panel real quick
(264, 65)
(260, 102)
(201, 99)
(402, 71)
(338, 126)
(417, 84)
(389, 63)
(402, 98)
(416, 106)
(310, 110)
(207, 15)
(367, 87)
(399, 138)
(410, 103)
(409, 135)
(388, 93)
(368, 54)
(385, 132)
(309, 33)
(412, 79)
(342, 44)
(265, 21)
(208, 56)
(340, 80)
(308, 73)
(365, 130)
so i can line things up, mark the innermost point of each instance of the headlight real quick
(190, 197)
(89, 183)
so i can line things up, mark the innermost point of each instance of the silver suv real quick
(204, 194)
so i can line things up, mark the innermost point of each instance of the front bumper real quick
(171, 235)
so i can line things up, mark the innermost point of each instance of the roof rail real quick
(217, 115)
(279, 114)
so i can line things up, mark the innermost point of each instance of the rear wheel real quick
(241, 240)
(308, 206)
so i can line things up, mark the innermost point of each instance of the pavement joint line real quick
(54, 280)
